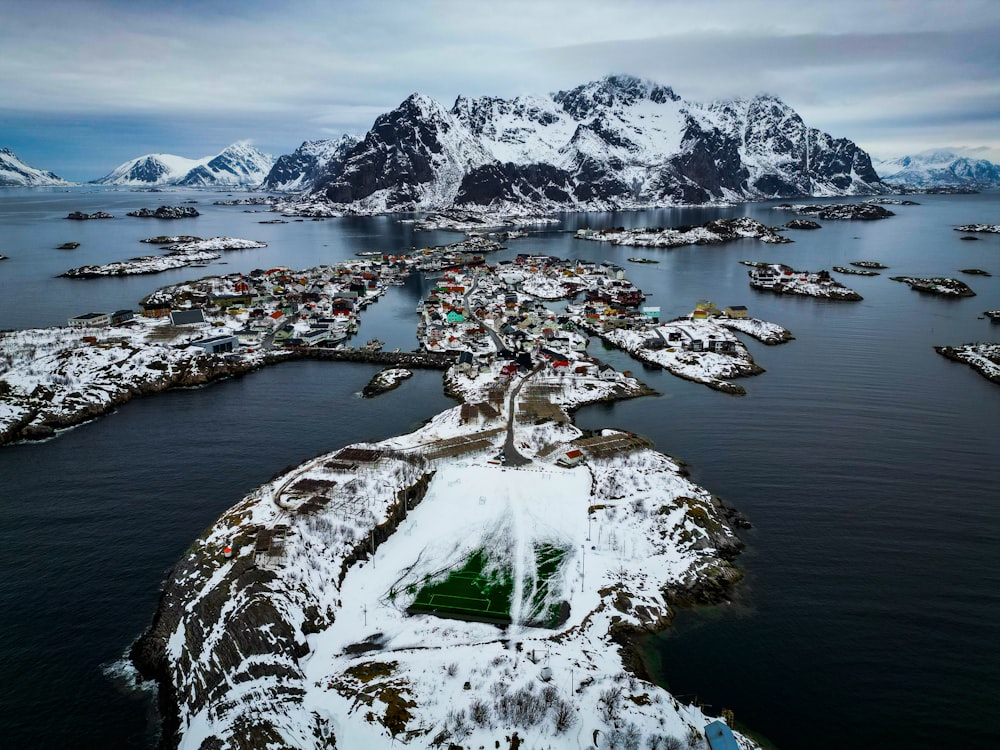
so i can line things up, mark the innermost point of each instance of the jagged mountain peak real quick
(240, 163)
(308, 163)
(613, 91)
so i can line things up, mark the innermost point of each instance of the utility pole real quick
(583, 565)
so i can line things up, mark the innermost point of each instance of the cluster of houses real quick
(485, 314)
(277, 306)
(492, 317)
(616, 309)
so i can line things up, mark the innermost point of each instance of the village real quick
(489, 321)
(517, 359)
(493, 319)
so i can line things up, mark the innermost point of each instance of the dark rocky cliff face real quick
(711, 161)
(396, 156)
(529, 183)
(308, 163)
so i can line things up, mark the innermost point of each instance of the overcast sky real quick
(88, 84)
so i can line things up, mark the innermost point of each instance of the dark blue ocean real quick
(867, 464)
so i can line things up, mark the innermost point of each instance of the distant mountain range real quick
(939, 168)
(238, 165)
(620, 142)
(15, 173)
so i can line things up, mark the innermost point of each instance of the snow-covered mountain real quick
(939, 168)
(14, 172)
(615, 143)
(300, 169)
(239, 164)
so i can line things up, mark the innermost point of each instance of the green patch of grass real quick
(476, 592)
(469, 593)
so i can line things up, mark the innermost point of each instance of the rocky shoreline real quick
(385, 381)
(983, 358)
(166, 212)
(40, 422)
(186, 252)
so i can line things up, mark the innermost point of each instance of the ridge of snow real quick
(240, 163)
(14, 172)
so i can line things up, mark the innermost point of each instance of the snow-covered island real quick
(855, 271)
(782, 279)
(801, 224)
(938, 285)
(193, 333)
(476, 583)
(170, 239)
(983, 358)
(166, 212)
(713, 232)
(851, 211)
(81, 216)
(469, 221)
(178, 255)
(386, 380)
(986, 228)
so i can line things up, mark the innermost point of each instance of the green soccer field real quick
(469, 593)
(473, 592)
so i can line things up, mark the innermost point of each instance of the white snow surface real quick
(14, 172)
(177, 255)
(238, 164)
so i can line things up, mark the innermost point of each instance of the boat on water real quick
(373, 345)
(993, 315)
(642, 260)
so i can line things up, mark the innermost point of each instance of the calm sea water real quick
(866, 462)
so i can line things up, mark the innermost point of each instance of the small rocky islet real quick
(984, 228)
(849, 211)
(713, 232)
(937, 285)
(166, 212)
(385, 381)
(81, 216)
(855, 271)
